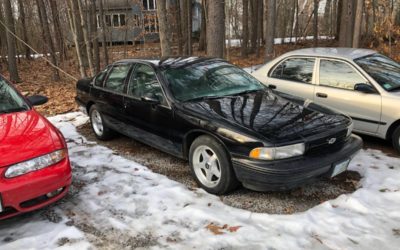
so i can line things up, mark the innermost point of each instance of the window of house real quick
(122, 21)
(116, 20)
(116, 78)
(108, 20)
(338, 74)
(295, 69)
(151, 23)
(136, 20)
(149, 4)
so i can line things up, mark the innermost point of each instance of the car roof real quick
(172, 61)
(344, 53)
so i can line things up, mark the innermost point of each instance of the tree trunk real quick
(339, 11)
(357, 23)
(165, 32)
(12, 62)
(346, 29)
(86, 38)
(315, 24)
(94, 37)
(327, 15)
(24, 33)
(48, 40)
(57, 29)
(215, 28)
(103, 31)
(202, 40)
(245, 28)
(254, 22)
(184, 26)
(73, 26)
(189, 26)
(260, 25)
(270, 30)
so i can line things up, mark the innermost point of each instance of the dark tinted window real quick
(383, 69)
(338, 74)
(116, 78)
(295, 69)
(144, 83)
(100, 78)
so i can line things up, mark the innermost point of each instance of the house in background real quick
(132, 21)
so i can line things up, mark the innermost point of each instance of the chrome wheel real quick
(97, 123)
(206, 166)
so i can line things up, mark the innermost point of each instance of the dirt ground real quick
(298, 200)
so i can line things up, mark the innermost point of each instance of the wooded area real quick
(85, 35)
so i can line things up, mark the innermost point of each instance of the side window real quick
(295, 69)
(116, 78)
(144, 83)
(100, 77)
(338, 74)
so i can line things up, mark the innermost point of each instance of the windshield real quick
(208, 80)
(383, 69)
(10, 101)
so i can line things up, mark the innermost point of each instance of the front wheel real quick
(100, 129)
(211, 166)
(396, 139)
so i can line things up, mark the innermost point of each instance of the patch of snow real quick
(124, 204)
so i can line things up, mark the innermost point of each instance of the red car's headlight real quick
(36, 163)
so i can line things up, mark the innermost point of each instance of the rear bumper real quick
(290, 173)
(28, 192)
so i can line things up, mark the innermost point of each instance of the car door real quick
(294, 76)
(148, 111)
(109, 97)
(336, 81)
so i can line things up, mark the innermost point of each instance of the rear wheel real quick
(396, 139)
(101, 131)
(211, 166)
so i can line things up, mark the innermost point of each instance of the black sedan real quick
(229, 126)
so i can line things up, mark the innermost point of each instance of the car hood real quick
(26, 135)
(275, 118)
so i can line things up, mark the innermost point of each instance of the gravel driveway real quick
(298, 200)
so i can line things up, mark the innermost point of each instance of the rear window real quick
(295, 69)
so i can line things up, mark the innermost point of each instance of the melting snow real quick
(121, 204)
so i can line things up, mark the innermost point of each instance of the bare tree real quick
(102, 25)
(315, 24)
(93, 35)
(215, 28)
(346, 29)
(165, 32)
(12, 62)
(21, 9)
(245, 28)
(57, 29)
(47, 38)
(85, 37)
(270, 30)
(202, 39)
(72, 15)
(357, 23)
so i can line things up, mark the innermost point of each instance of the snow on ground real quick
(116, 203)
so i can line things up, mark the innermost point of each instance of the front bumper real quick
(29, 192)
(286, 174)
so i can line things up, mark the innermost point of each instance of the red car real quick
(34, 165)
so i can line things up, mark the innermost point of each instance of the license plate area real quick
(340, 167)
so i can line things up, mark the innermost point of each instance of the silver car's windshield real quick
(10, 101)
(383, 69)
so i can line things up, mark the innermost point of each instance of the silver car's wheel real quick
(97, 123)
(206, 166)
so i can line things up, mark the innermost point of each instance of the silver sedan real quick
(359, 82)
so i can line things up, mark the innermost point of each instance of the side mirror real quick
(364, 88)
(150, 99)
(37, 100)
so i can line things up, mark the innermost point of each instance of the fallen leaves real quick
(218, 230)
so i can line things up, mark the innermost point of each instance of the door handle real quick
(271, 86)
(322, 95)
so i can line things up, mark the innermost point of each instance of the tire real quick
(100, 130)
(211, 167)
(396, 139)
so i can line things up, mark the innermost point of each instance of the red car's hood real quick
(25, 135)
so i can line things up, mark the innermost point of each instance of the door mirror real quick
(150, 99)
(364, 88)
(37, 100)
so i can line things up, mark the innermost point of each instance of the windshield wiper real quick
(202, 98)
(13, 110)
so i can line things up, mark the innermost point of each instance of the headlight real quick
(275, 153)
(36, 163)
(350, 129)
